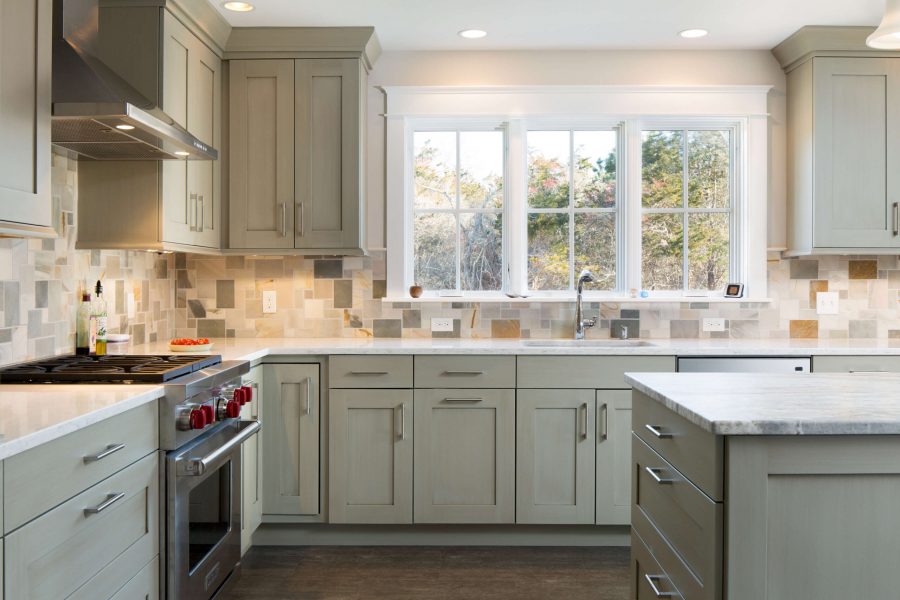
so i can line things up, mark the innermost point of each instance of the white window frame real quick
(636, 108)
(457, 126)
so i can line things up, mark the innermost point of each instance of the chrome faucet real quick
(580, 322)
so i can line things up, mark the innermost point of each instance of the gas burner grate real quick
(107, 369)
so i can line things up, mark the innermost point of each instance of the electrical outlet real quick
(441, 324)
(827, 303)
(269, 305)
(714, 324)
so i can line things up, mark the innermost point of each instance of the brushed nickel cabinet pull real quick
(300, 219)
(604, 423)
(654, 474)
(896, 218)
(192, 205)
(461, 400)
(308, 410)
(403, 421)
(651, 581)
(110, 500)
(655, 430)
(368, 373)
(202, 204)
(463, 373)
(111, 449)
(283, 219)
(584, 421)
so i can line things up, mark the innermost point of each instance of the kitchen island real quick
(751, 487)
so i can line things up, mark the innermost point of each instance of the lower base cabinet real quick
(143, 586)
(648, 580)
(613, 475)
(555, 456)
(92, 545)
(371, 456)
(465, 449)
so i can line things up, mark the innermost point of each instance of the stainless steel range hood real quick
(96, 113)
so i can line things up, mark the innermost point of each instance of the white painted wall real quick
(603, 67)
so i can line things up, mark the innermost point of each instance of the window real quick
(572, 203)
(686, 201)
(458, 210)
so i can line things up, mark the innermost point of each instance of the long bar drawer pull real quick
(111, 449)
(658, 432)
(459, 400)
(463, 373)
(584, 421)
(604, 423)
(110, 500)
(368, 373)
(651, 581)
(654, 474)
(403, 421)
(896, 218)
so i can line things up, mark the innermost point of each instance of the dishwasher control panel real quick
(733, 364)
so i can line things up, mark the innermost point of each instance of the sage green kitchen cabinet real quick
(291, 442)
(252, 461)
(296, 147)
(860, 364)
(25, 49)
(170, 204)
(371, 456)
(613, 442)
(555, 456)
(465, 456)
(843, 146)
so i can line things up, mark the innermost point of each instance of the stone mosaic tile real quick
(328, 269)
(805, 328)
(804, 269)
(863, 269)
(387, 328)
(506, 328)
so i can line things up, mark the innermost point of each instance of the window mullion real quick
(458, 223)
(684, 217)
(571, 210)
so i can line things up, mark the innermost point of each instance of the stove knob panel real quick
(198, 419)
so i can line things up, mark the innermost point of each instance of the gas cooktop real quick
(107, 369)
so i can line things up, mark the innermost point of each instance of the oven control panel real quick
(222, 404)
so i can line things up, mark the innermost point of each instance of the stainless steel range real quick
(200, 435)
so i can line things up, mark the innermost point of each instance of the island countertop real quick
(779, 404)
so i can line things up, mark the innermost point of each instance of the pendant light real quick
(887, 36)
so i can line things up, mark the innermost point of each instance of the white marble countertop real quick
(779, 404)
(31, 415)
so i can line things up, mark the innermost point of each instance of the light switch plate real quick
(827, 303)
(269, 305)
(441, 324)
(714, 324)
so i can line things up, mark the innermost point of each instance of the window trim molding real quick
(524, 107)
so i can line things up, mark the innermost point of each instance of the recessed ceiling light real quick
(125, 127)
(238, 6)
(472, 34)
(182, 153)
(693, 33)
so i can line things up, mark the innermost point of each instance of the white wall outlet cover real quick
(441, 324)
(827, 303)
(268, 301)
(714, 324)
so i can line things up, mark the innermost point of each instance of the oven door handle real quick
(199, 466)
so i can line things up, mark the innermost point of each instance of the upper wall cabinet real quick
(296, 155)
(843, 144)
(166, 205)
(25, 72)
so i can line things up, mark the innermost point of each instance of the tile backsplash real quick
(154, 297)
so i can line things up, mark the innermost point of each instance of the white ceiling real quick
(565, 24)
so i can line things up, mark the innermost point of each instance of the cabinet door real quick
(329, 105)
(857, 146)
(465, 450)
(251, 461)
(25, 72)
(371, 450)
(291, 443)
(261, 151)
(613, 457)
(180, 209)
(555, 456)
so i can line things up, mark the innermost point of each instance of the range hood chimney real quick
(96, 113)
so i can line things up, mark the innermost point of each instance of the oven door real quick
(203, 511)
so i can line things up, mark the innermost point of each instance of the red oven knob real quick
(198, 419)
(248, 393)
(233, 409)
(209, 414)
(239, 396)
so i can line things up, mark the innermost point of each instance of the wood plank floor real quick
(442, 573)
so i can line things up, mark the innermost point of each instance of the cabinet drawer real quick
(689, 522)
(698, 454)
(465, 371)
(587, 372)
(49, 474)
(143, 586)
(856, 364)
(69, 548)
(370, 372)
(648, 580)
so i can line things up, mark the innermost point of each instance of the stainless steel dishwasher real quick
(744, 364)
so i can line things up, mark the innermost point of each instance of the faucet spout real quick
(580, 322)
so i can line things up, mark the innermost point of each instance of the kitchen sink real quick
(586, 343)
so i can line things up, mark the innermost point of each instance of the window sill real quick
(567, 299)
